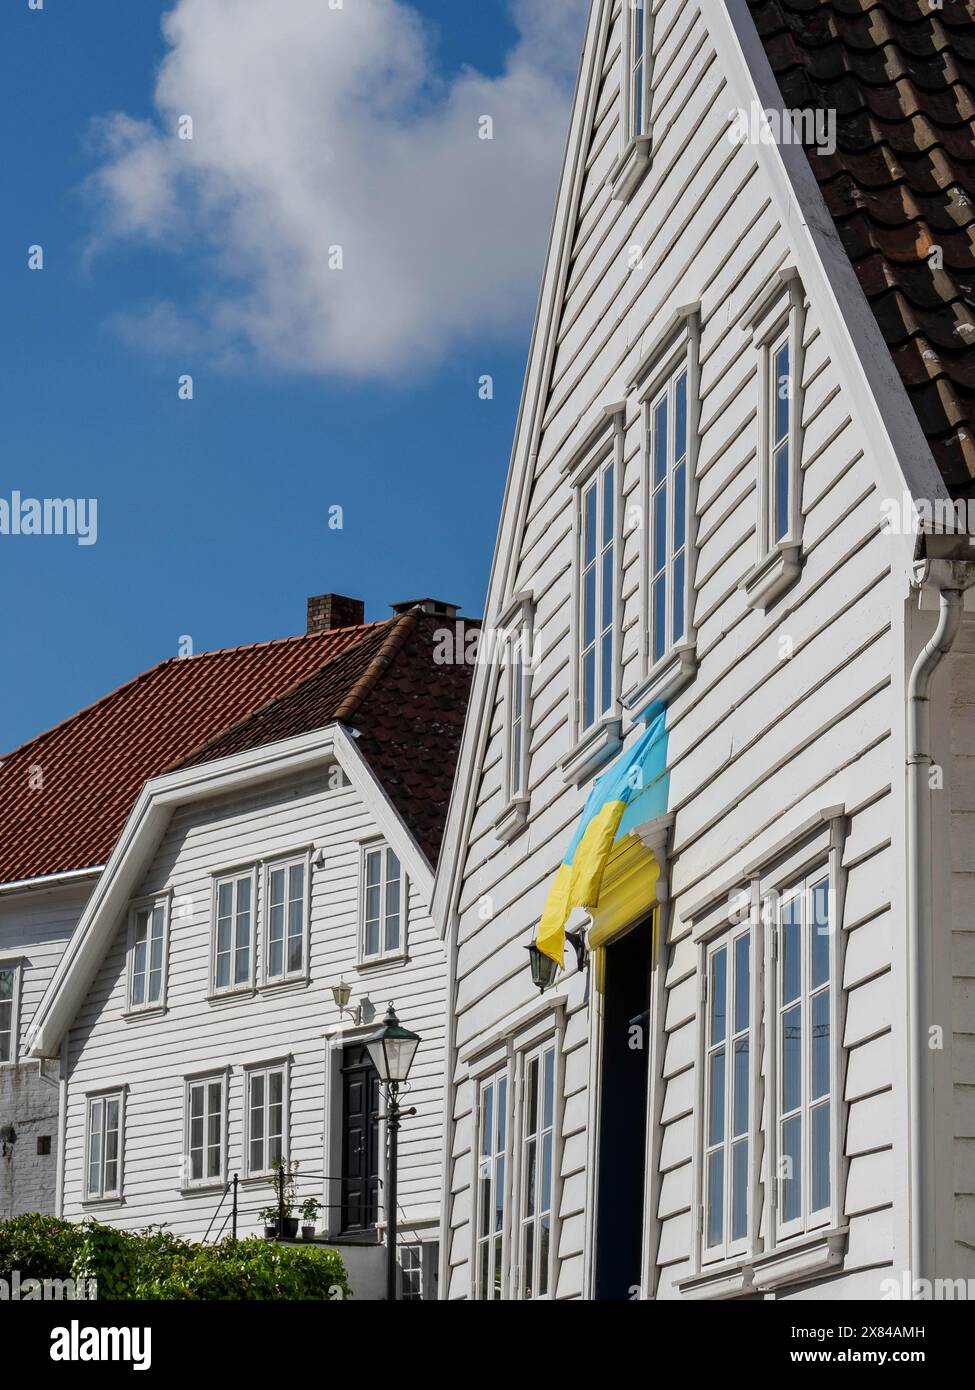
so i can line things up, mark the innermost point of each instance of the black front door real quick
(622, 1118)
(360, 1141)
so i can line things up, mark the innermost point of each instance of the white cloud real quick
(316, 127)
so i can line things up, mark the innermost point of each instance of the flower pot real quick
(270, 1231)
(308, 1232)
(289, 1228)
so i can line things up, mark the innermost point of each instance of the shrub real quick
(41, 1247)
(155, 1264)
(250, 1269)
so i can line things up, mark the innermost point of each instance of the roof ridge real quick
(403, 627)
(194, 755)
(169, 661)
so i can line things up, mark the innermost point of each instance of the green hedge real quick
(154, 1264)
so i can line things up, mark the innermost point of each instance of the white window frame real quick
(384, 953)
(96, 1105)
(266, 1070)
(517, 708)
(15, 969)
(637, 70)
(666, 398)
(286, 862)
(498, 1162)
(521, 1220)
(234, 877)
(161, 903)
(779, 322)
(728, 1245)
(191, 1084)
(800, 891)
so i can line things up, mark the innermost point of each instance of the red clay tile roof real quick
(900, 75)
(65, 795)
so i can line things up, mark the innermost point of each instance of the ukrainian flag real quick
(634, 790)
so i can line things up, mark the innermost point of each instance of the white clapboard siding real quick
(760, 740)
(151, 1056)
(35, 926)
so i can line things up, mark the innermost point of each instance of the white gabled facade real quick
(786, 688)
(141, 1056)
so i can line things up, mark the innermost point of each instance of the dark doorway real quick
(622, 1114)
(360, 1141)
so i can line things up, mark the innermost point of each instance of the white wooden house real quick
(758, 1081)
(264, 900)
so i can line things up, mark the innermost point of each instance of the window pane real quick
(372, 938)
(589, 688)
(660, 442)
(531, 1098)
(530, 1177)
(659, 617)
(781, 470)
(741, 982)
(715, 1200)
(548, 1108)
(545, 1200)
(609, 504)
(716, 1108)
(739, 1190)
(659, 529)
(296, 886)
(607, 605)
(783, 391)
(792, 1169)
(544, 1245)
(791, 950)
(589, 606)
(820, 934)
(373, 866)
(487, 1121)
(680, 505)
(680, 440)
(607, 673)
(589, 524)
(718, 990)
(499, 1195)
(502, 1112)
(740, 1087)
(820, 1045)
(791, 1059)
(679, 597)
(528, 1259)
(820, 1158)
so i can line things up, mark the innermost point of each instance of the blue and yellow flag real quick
(633, 791)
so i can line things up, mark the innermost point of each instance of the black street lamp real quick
(392, 1049)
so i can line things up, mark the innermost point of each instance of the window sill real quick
(630, 169)
(773, 575)
(212, 1185)
(227, 996)
(512, 819)
(368, 963)
(806, 1257)
(595, 748)
(667, 677)
(150, 1011)
(101, 1203)
(293, 982)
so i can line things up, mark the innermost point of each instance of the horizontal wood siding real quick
(790, 711)
(152, 1055)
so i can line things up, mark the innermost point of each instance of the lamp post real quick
(392, 1049)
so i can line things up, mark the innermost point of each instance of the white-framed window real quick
(205, 1141)
(802, 1042)
(9, 1010)
(266, 1118)
(383, 903)
(778, 462)
(728, 1101)
(637, 34)
(148, 948)
(536, 1179)
(491, 1196)
(104, 1129)
(517, 693)
(668, 448)
(418, 1265)
(597, 594)
(286, 911)
(234, 913)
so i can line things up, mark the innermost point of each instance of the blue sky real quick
(212, 514)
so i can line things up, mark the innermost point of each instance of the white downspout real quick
(951, 578)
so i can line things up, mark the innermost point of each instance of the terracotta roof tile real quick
(65, 795)
(901, 78)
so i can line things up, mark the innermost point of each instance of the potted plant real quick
(309, 1214)
(284, 1181)
(269, 1215)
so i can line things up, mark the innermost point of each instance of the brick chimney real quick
(326, 612)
